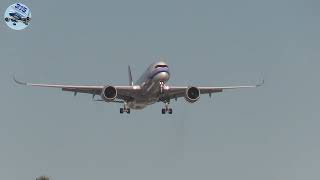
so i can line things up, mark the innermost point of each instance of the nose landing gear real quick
(166, 109)
(161, 87)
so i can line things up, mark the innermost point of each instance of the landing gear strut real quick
(161, 87)
(125, 109)
(166, 109)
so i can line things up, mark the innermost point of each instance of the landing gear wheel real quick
(6, 19)
(128, 111)
(166, 109)
(121, 110)
(14, 24)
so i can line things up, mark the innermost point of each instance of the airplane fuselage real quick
(150, 84)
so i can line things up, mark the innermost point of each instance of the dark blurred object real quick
(43, 178)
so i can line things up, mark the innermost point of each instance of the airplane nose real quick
(163, 76)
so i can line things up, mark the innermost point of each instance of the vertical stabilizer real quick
(130, 76)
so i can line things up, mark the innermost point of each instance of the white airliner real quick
(149, 89)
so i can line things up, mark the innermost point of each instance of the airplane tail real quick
(130, 76)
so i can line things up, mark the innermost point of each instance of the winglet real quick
(19, 82)
(260, 84)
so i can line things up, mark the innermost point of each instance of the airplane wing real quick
(123, 92)
(179, 91)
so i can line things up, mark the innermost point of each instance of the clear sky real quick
(266, 133)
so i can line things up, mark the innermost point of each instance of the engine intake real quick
(192, 94)
(109, 93)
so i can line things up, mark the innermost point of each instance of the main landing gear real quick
(166, 109)
(125, 109)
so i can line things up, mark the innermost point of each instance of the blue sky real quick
(265, 133)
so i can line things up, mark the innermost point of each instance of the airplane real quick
(16, 17)
(149, 89)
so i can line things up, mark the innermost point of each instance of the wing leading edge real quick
(179, 91)
(72, 88)
(124, 92)
(127, 92)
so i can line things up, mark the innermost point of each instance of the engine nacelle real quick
(109, 93)
(192, 94)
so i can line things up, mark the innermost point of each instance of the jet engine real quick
(109, 93)
(192, 94)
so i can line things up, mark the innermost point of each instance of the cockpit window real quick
(158, 66)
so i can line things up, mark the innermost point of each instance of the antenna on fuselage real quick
(130, 76)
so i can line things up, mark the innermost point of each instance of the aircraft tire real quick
(163, 111)
(170, 111)
(121, 110)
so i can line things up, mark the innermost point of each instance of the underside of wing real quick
(174, 92)
(121, 92)
(72, 88)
